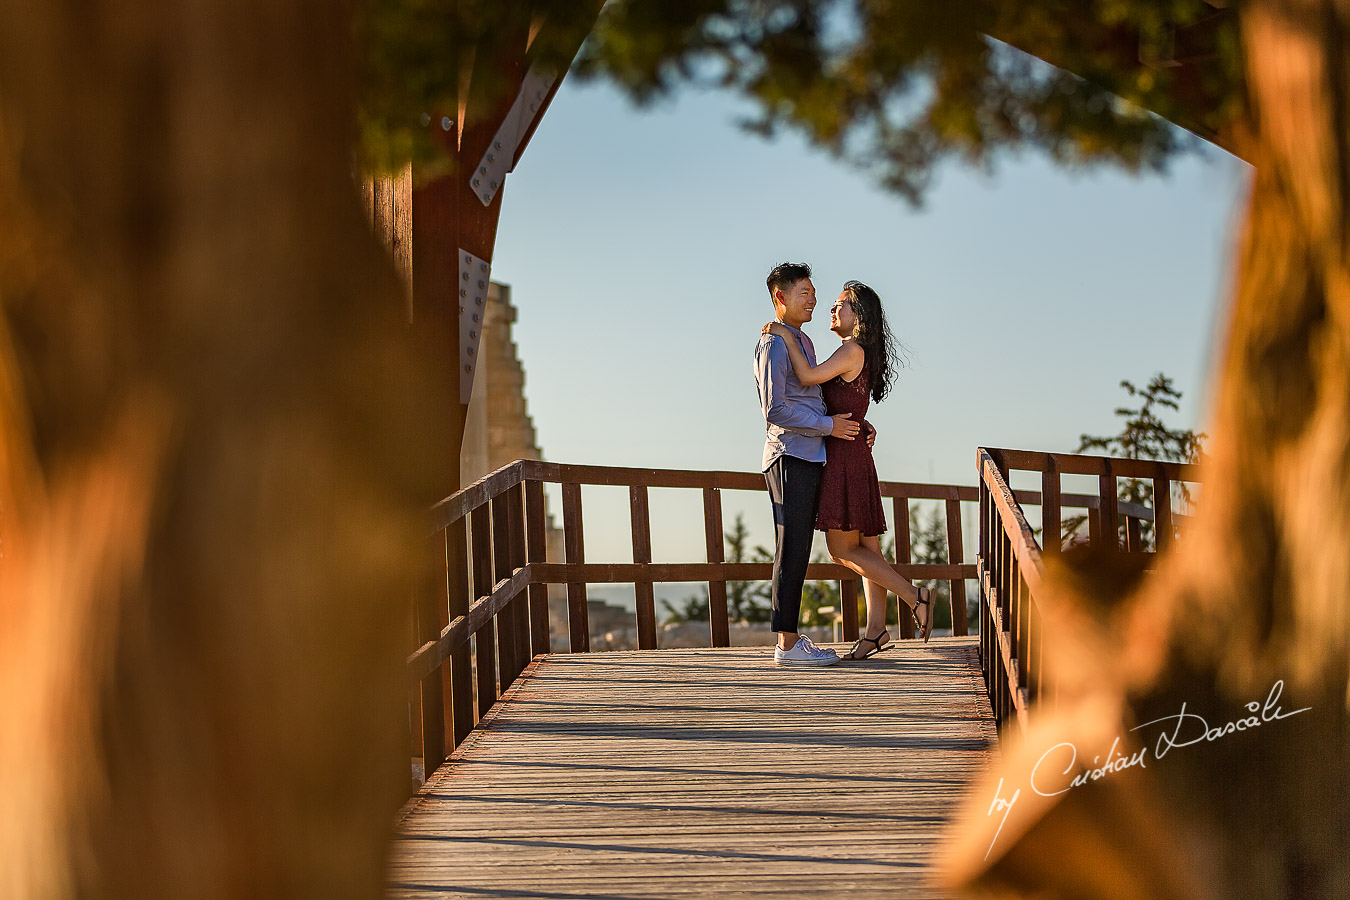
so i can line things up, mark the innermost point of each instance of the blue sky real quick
(636, 244)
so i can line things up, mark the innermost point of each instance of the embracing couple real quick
(817, 462)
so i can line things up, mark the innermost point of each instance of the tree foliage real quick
(1143, 435)
(747, 601)
(423, 63)
(896, 86)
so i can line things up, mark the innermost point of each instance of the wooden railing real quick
(1010, 560)
(481, 607)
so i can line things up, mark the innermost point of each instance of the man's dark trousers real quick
(794, 488)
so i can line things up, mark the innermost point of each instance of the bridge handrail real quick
(1010, 562)
(482, 599)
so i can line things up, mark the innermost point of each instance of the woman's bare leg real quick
(848, 548)
(875, 592)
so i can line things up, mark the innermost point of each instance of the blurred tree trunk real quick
(214, 456)
(1259, 589)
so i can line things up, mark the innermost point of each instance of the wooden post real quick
(903, 556)
(507, 663)
(717, 588)
(1021, 624)
(1005, 569)
(640, 513)
(955, 556)
(515, 535)
(461, 666)
(536, 550)
(480, 549)
(1037, 661)
(578, 625)
(1109, 516)
(431, 612)
(985, 504)
(1051, 517)
(848, 606)
(1162, 512)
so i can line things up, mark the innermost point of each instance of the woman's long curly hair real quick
(874, 336)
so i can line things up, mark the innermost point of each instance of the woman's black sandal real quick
(925, 598)
(875, 642)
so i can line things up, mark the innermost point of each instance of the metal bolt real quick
(482, 267)
(473, 334)
(478, 300)
(475, 182)
(494, 185)
(466, 276)
(498, 145)
(468, 368)
(471, 351)
(482, 170)
(490, 157)
(445, 123)
(463, 292)
(475, 317)
(482, 284)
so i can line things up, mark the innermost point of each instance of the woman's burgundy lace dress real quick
(850, 499)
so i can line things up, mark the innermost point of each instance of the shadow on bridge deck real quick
(703, 773)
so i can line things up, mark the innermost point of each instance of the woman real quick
(851, 512)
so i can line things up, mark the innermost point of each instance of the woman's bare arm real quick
(846, 361)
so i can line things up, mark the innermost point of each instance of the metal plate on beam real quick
(490, 173)
(473, 292)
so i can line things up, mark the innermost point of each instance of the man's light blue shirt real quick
(794, 413)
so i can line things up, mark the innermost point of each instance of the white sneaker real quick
(805, 653)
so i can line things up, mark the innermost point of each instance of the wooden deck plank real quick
(703, 773)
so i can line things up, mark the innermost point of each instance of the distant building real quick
(498, 429)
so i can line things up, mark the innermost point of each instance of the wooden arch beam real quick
(508, 79)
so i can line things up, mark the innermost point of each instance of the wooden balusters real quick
(578, 625)
(903, 556)
(1051, 518)
(1013, 650)
(955, 556)
(506, 571)
(507, 663)
(484, 639)
(1162, 512)
(513, 623)
(848, 607)
(536, 551)
(717, 587)
(461, 666)
(431, 617)
(642, 554)
(1109, 516)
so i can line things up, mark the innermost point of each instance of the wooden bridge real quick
(657, 773)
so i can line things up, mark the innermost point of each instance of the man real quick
(794, 455)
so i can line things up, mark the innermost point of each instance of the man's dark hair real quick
(785, 275)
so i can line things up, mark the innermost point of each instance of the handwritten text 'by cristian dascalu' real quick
(1049, 773)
